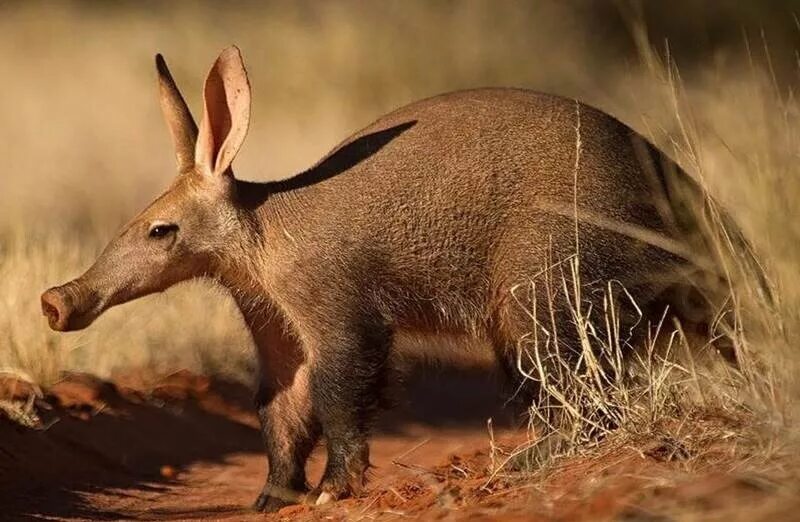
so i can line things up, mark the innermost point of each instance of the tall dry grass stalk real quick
(738, 135)
(742, 143)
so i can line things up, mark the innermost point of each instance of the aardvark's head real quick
(180, 234)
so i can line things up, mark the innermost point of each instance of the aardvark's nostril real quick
(50, 311)
(54, 308)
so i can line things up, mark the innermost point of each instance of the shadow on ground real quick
(102, 438)
(105, 437)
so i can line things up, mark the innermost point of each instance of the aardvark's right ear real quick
(226, 99)
(178, 117)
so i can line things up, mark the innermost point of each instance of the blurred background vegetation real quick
(84, 146)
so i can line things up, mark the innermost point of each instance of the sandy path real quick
(104, 451)
(224, 491)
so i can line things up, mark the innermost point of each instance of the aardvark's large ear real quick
(177, 115)
(226, 116)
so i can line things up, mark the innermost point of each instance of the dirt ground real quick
(184, 447)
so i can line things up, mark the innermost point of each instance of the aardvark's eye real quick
(162, 230)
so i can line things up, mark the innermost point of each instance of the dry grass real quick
(85, 147)
(738, 135)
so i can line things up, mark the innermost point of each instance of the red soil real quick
(188, 448)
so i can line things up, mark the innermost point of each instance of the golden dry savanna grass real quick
(84, 146)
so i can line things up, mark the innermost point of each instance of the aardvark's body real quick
(423, 222)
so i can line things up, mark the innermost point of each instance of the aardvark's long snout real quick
(67, 308)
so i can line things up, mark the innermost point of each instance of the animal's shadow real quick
(343, 158)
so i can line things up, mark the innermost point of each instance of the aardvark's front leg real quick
(288, 425)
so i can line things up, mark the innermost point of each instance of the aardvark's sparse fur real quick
(421, 223)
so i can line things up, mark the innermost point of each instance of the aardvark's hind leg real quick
(347, 381)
